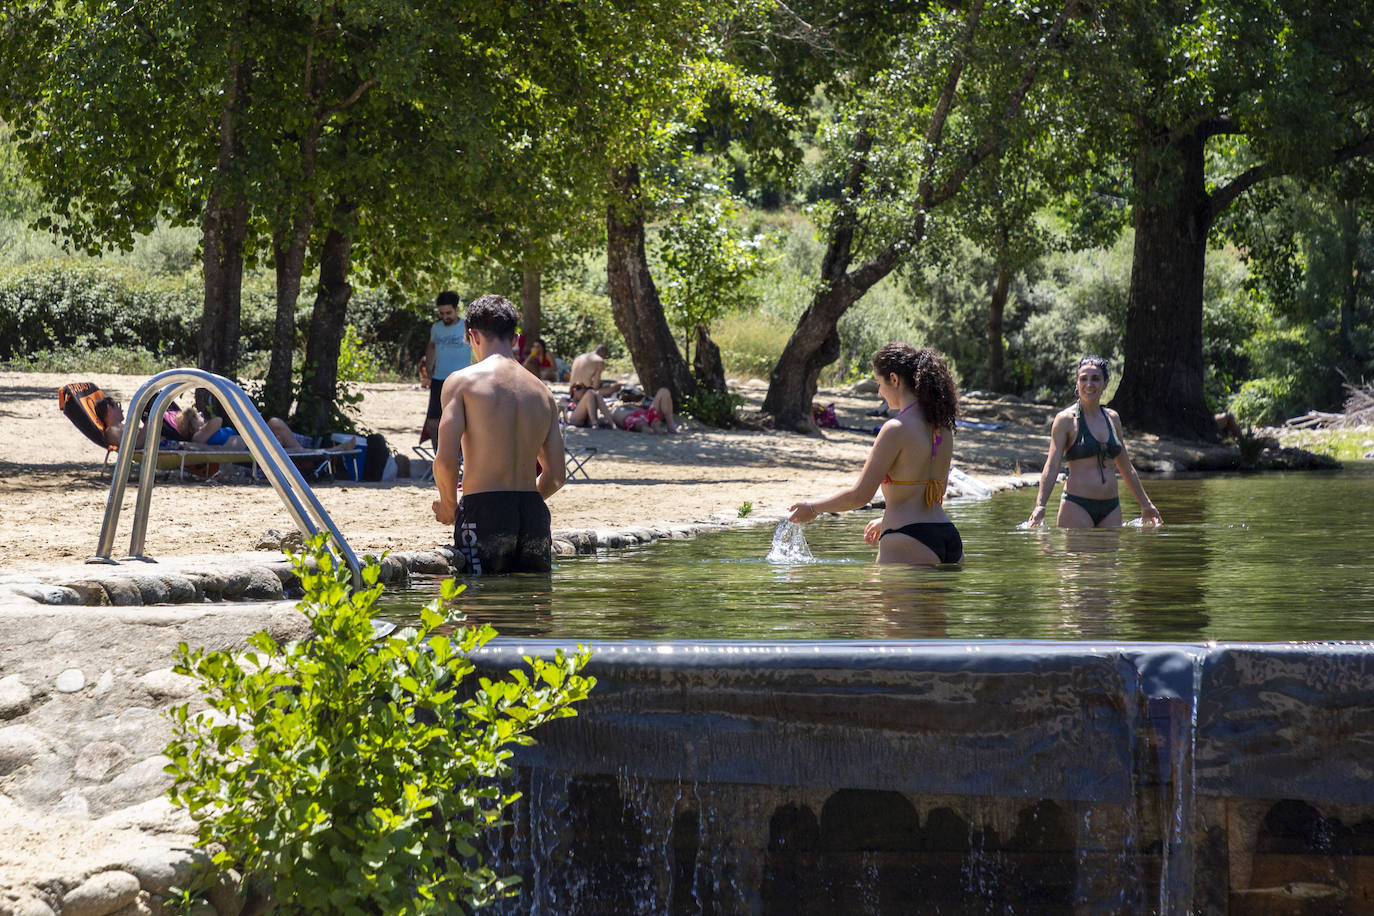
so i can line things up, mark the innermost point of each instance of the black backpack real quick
(374, 459)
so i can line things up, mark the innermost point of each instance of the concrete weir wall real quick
(952, 777)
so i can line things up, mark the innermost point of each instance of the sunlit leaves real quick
(354, 769)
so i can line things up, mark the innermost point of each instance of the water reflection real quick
(912, 603)
(1273, 557)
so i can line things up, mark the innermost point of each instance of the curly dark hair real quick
(928, 375)
(494, 316)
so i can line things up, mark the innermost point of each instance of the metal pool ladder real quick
(275, 461)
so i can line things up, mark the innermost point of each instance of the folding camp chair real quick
(575, 458)
(426, 454)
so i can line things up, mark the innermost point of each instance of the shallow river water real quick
(1271, 557)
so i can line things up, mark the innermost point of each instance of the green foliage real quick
(745, 509)
(708, 260)
(358, 774)
(79, 359)
(355, 363)
(393, 329)
(71, 304)
(1077, 306)
(750, 343)
(576, 319)
(117, 314)
(1265, 401)
(19, 197)
(712, 407)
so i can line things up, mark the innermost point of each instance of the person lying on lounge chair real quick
(198, 429)
(191, 426)
(111, 416)
(587, 408)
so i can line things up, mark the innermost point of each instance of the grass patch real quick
(1341, 444)
(750, 344)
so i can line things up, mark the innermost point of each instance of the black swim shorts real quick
(503, 531)
(435, 410)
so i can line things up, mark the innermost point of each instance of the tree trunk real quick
(1161, 383)
(288, 257)
(316, 410)
(224, 228)
(531, 319)
(997, 307)
(815, 342)
(634, 298)
(708, 368)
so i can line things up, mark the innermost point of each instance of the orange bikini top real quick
(935, 489)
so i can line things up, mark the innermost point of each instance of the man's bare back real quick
(586, 369)
(506, 419)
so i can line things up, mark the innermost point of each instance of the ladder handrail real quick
(275, 461)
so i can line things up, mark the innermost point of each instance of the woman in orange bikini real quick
(910, 461)
(1088, 436)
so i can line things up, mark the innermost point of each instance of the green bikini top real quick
(1085, 444)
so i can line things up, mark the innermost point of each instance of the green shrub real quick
(1265, 401)
(714, 408)
(56, 305)
(356, 364)
(575, 320)
(357, 774)
(79, 359)
(392, 328)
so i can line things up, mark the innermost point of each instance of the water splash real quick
(789, 545)
(968, 486)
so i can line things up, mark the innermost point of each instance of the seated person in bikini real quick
(587, 408)
(655, 416)
(910, 460)
(587, 368)
(1088, 436)
(541, 362)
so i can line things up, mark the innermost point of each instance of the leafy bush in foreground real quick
(348, 771)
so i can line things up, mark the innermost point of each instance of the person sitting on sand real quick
(587, 408)
(587, 369)
(507, 426)
(541, 362)
(910, 460)
(654, 415)
(1088, 436)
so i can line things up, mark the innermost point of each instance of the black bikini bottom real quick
(1097, 509)
(941, 537)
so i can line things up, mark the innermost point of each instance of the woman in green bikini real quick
(1088, 436)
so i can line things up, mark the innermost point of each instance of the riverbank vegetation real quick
(352, 773)
(727, 191)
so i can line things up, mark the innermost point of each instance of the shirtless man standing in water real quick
(504, 419)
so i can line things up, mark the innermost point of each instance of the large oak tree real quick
(1281, 88)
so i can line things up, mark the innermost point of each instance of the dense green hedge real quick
(71, 304)
(59, 305)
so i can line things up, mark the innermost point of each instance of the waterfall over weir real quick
(950, 777)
